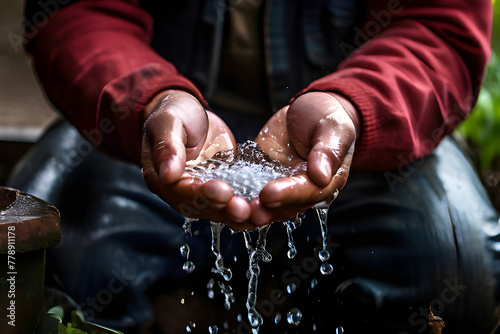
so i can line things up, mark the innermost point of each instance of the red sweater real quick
(414, 76)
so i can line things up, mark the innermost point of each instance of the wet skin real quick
(320, 128)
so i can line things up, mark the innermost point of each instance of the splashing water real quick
(294, 316)
(213, 329)
(247, 172)
(216, 228)
(255, 254)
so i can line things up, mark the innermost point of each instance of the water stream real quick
(247, 173)
(256, 252)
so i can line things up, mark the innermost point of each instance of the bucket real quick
(28, 225)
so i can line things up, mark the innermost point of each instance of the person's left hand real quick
(320, 128)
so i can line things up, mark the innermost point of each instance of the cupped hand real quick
(320, 128)
(178, 132)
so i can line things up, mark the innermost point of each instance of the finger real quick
(332, 140)
(261, 215)
(300, 191)
(165, 143)
(238, 210)
(219, 193)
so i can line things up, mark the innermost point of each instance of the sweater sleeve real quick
(414, 75)
(95, 62)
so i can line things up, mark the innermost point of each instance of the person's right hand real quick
(177, 131)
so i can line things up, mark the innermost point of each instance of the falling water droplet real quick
(235, 259)
(291, 253)
(182, 301)
(314, 282)
(239, 317)
(185, 251)
(188, 267)
(213, 329)
(294, 316)
(290, 288)
(211, 294)
(323, 255)
(314, 327)
(277, 318)
(339, 330)
(326, 269)
(190, 327)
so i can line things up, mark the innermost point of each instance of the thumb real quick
(177, 123)
(333, 142)
(164, 146)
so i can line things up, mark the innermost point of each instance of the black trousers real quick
(402, 241)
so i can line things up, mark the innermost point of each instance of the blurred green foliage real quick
(52, 323)
(482, 128)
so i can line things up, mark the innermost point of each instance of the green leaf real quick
(78, 321)
(50, 323)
